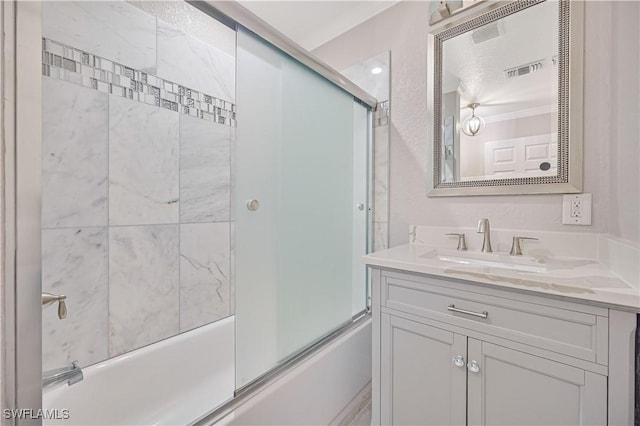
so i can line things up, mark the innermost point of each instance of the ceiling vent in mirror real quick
(487, 32)
(524, 69)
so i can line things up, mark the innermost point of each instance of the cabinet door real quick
(515, 388)
(420, 384)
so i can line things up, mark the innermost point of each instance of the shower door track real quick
(233, 14)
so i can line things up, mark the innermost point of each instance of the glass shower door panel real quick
(254, 178)
(314, 228)
(295, 252)
(361, 116)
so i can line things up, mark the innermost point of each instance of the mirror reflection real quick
(500, 98)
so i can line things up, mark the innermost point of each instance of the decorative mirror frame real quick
(570, 106)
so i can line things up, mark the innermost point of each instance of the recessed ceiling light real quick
(376, 70)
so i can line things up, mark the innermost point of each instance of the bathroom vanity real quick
(464, 337)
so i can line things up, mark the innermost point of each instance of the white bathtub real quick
(327, 388)
(172, 382)
(178, 380)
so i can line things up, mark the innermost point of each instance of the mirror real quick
(500, 86)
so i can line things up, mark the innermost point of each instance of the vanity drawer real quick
(568, 328)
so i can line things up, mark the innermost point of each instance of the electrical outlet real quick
(576, 209)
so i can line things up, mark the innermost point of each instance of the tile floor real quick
(363, 418)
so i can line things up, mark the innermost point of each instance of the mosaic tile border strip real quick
(76, 66)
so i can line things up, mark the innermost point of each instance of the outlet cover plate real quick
(576, 209)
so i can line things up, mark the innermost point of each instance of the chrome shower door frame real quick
(21, 213)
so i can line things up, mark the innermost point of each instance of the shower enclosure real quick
(173, 170)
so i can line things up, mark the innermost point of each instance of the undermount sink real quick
(493, 260)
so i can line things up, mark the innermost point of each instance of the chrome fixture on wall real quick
(445, 9)
(59, 376)
(516, 248)
(49, 299)
(462, 242)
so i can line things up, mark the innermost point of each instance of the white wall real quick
(624, 219)
(610, 129)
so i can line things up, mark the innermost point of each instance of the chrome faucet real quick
(484, 228)
(59, 376)
(50, 299)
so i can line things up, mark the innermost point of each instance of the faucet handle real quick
(48, 299)
(516, 249)
(462, 241)
(483, 225)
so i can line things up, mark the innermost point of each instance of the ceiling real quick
(528, 36)
(311, 23)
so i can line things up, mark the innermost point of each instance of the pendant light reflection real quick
(472, 125)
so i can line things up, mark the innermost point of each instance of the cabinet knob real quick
(473, 366)
(458, 361)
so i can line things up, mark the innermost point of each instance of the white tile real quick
(195, 64)
(381, 174)
(232, 268)
(113, 30)
(74, 155)
(192, 21)
(232, 184)
(622, 257)
(74, 263)
(143, 287)
(380, 236)
(204, 171)
(143, 164)
(204, 273)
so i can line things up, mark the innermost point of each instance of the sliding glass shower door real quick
(301, 207)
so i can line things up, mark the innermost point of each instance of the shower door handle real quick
(253, 205)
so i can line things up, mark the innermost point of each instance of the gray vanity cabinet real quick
(497, 358)
(431, 376)
(516, 388)
(420, 385)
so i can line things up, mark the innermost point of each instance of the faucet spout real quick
(59, 376)
(485, 229)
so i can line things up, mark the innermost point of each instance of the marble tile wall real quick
(87, 25)
(143, 164)
(197, 61)
(205, 174)
(136, 196)
(75, 263)
(74, 155)
(381, 187)
(204, 273)
(144, 303)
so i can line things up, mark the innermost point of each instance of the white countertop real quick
(580, 279)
